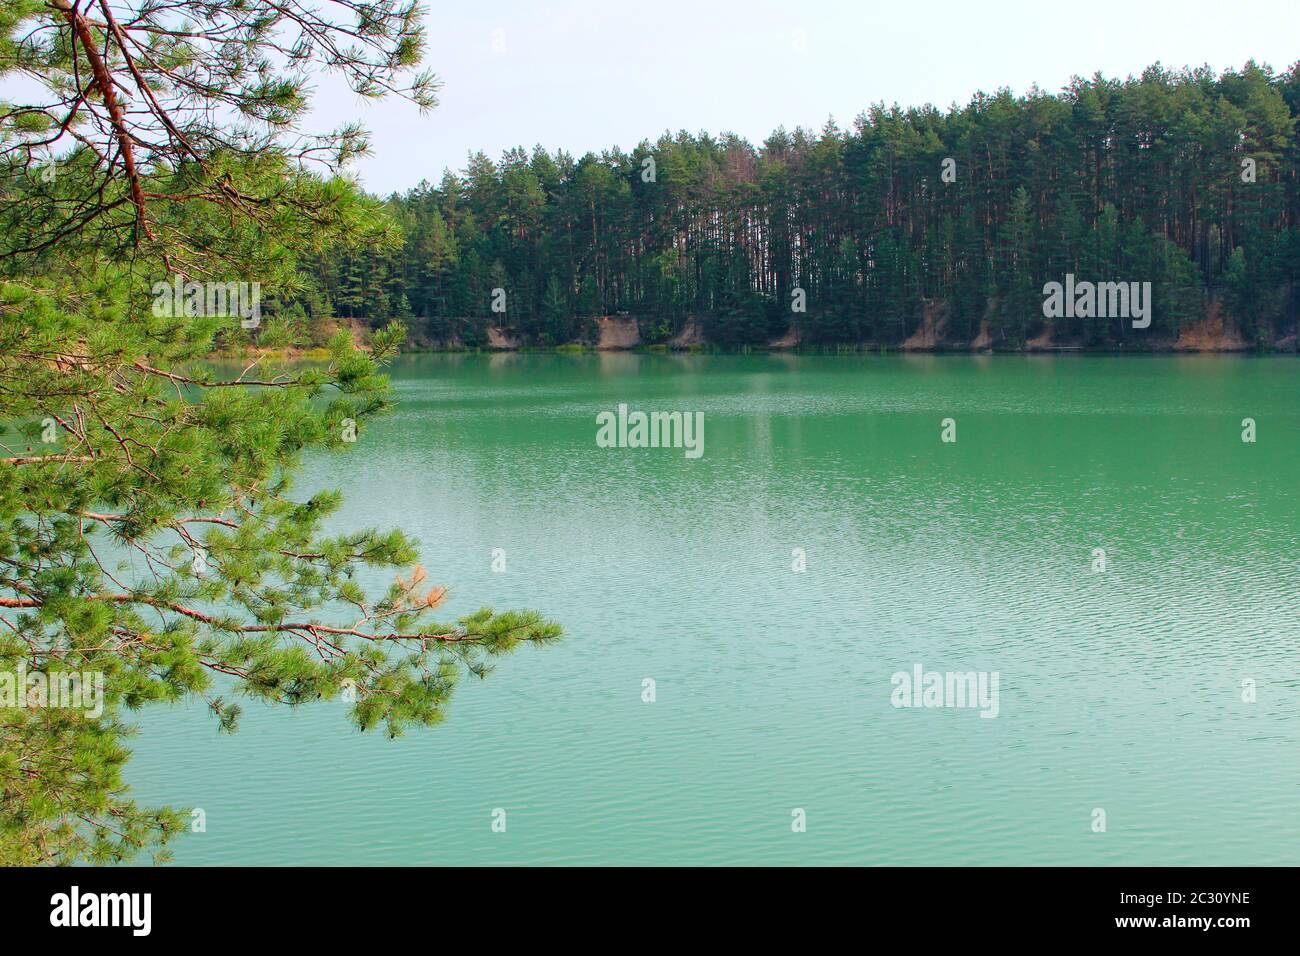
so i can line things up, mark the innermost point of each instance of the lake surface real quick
(1120, 690)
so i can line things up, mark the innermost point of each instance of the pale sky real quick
(586, 75)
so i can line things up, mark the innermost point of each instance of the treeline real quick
(1184, 179)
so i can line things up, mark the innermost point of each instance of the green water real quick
(1119, 689)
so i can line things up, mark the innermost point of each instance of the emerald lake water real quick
(1119, 689)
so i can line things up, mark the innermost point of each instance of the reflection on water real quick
(1119, 690)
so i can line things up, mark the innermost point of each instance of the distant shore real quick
(622, 333)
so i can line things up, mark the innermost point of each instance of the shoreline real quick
(1216, 333)
(614, 334)
(310, 354)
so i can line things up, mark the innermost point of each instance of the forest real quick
(1185, 179)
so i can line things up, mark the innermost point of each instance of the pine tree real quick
(123, 442)
(1110, 180)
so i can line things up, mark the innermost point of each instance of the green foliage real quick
(1134, 180)
(149, 532)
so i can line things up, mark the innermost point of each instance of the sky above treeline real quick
(584, 75)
